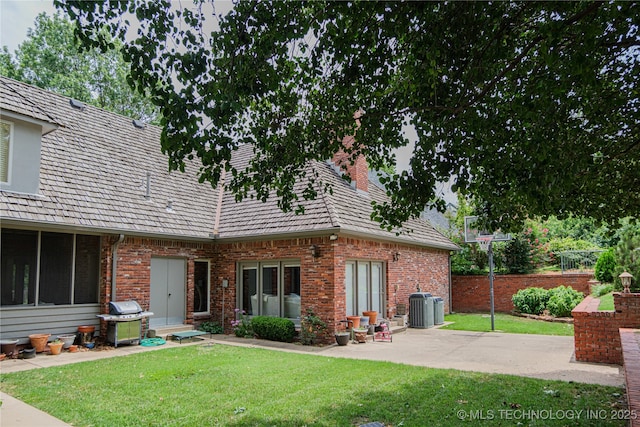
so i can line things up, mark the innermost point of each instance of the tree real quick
(49, 58)
(531, 106)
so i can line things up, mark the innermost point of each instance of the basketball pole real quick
(490, 254)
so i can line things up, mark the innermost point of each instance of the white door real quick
(167, 299)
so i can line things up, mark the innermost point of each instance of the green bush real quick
(531, 300)
(273, 328)
(517, 256)
(603, 289)
(562, 300)
(606, 266)
(211, 327)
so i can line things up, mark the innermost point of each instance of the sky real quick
(17, 16)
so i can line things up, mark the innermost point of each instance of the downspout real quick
(216, 231)
(114, 265)
(450, 291)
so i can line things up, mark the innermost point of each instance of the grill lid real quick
(124, 307)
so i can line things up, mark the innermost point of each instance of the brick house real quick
(90, 214)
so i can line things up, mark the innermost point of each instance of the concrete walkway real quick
(536, 356)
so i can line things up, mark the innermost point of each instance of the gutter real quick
(114, 265)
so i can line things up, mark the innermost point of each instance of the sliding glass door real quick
(364, 286)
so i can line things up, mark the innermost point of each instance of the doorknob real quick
(169, 294)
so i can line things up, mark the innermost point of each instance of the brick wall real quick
(596, 335)
(133, 275)
(471, 293)
(322, 277)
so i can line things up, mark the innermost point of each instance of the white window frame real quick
(10, 152)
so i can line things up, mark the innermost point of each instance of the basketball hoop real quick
(484, 242)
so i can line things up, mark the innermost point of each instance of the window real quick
(6, 140)
(44, 268)
(364, 283)
(270, 289)
(201, 287)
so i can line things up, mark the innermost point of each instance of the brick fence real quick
(596, 333)
(471, 293)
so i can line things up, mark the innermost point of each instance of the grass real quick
(506, 323)
(606, 302)
(233, 386)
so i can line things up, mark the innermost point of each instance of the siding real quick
(20, 322)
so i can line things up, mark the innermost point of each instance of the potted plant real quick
(67, 340)
(55, 347)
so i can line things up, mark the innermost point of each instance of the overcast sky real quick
(17, 16)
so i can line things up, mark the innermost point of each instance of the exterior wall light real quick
(396, 256)
(625, 278)
(315, 252)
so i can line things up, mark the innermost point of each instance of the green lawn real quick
(231, 386)
(606, 302)
(506, 323)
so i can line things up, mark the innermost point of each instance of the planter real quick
(8, 347)
(354, 321)
(86, 334)
(67, 340)
(360, 335)
(28, 353)
(342, 338)
(73, 348)
(372, 315)
(55, 347)
(364, 322)
(39, 341)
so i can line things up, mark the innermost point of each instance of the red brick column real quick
(596, 333)
(630, 339)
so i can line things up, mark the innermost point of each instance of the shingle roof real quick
(93, 174)
(345, 210)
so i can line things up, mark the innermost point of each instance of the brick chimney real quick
(359, 171)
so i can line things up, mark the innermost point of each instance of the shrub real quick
(606, 266)
(562, 300)
(517, 256)
(211, 327)
(273, 328)
(628, 257)
(242, 326)
(603, 289)
(311, 326)
(531, 300)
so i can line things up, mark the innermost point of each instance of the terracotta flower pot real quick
(73, 348)
(372, 315)
(55, 348)
(39, 341)
(354, 321)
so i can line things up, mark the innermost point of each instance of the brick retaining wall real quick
(596, 333)
(471, 293)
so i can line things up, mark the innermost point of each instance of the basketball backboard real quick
(471, 231)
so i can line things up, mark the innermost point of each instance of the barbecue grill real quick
(124, 322)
